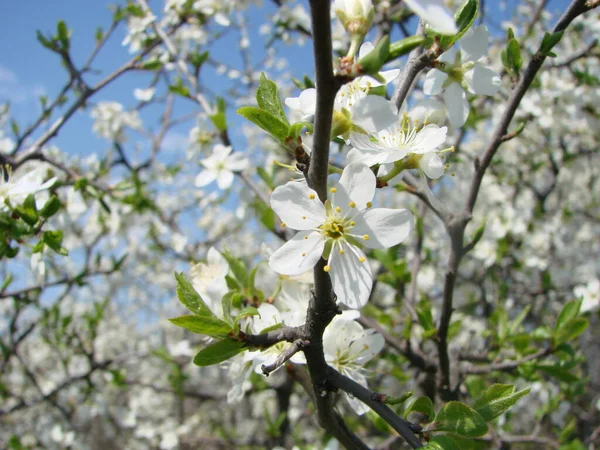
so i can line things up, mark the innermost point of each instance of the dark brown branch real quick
(284, 356)
(507, 366)
(404, 428)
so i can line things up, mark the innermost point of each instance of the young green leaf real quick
(569, 311)
(246, 312)
(51, 207)
(376, 58)
(570, 330)
(207, 325)
(219, 119)
(423, 405)
(268, 99)
(238, 268)
(496, 400)
(442, 442)
(190, 298)
(218, 352)
(265, 120)
(458, 418)
(464, 18)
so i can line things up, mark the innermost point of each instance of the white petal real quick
(237, 162)
(221, 152)
(474, 44)
(358, 182)
(374, 113)
(456, 105)
(205, 177)
(367, 157)
(351, 279)
(450, 56)
(293, 103)
(435, 14)
(308, 101)
(367, 346)
(429, 138)
(293, 204)
(289, 259)
(432, 165)
(224, 179)
(434, 81)
(485, 81)
(385, 227)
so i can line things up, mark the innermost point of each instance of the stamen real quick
(352, 205)
(283, 225)
(326, 269)
(311, 196)
(333, 190)
(369, 204)
(366, 237)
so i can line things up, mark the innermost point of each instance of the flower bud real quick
(356, 15)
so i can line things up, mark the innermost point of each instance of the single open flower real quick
(220, 167)
(337, 231)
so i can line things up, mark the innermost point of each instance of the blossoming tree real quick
(397, 249)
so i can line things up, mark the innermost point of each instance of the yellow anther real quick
(338, 209)
(326, 268)
(333, 190)
(305, 237)
(342, 251)
(303, 217)
(362, 259)
(311, 196)
(369, 204)
(366, 237)
(352, 205)
(283, 225)
(304, 254)
(352, 223)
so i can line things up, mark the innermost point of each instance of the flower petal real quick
(369, 344)
(358, 183)
(434, 81)
(474, 44)
(429, 138)
(374, 113)
(485, 81)
(432, 165)
(435, 14)
(293, 204)
(299, 254)
(351, 279)
(456, 105)
(224, 179)
(205, 177)
(385, 227)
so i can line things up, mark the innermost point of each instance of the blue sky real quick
(28, 70)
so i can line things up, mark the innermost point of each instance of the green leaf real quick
(549, 41)
(246, 312)
(401, 399)
(218, 352)
(208, 325)
(266, 121)
(442, 442)
(238, 268)
(464, 18)
(53, 239)
(197, 59)
(151, 64)
(404, 46)
(558, 372)
(6, 282)
(51, 207)
(514, 60)
(180, 89)
(190, 298)
(297, 128)
(376, 58)
(268, 99)
(570, 330)
(569, 311)
(28, 211)
(219, 119)
(458, 418)
(497, 399)
(423, 405)
(45, 41)
(62, 33)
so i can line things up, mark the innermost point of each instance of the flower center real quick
(333, 228)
